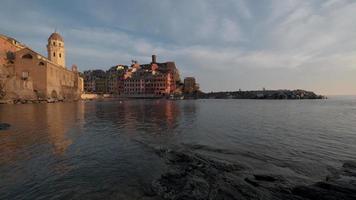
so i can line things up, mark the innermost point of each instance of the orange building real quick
(33, 76)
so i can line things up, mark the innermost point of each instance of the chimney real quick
(153, 59)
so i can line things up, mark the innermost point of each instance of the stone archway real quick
(54, 94)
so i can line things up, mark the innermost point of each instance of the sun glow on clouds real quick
(226, 44)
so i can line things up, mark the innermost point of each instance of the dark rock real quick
(193, 176)
(4, 126)
(349, 165)
(337, 186)
(252, 182)
(197, 177)
(265, 178)
(148, 191)
(314, 192)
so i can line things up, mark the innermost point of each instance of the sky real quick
(227, 44)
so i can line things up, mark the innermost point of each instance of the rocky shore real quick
(270, 94)
(34, 101)
(192, 176)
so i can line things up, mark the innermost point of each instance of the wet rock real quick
(193, 176)
(23, 101)
(267, 178)
(4, 126)
(314, 192)
(349, 165)
(349, 168)
(252, 182)
(148, 191)
(339, 186)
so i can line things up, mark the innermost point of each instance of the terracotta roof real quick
(55, 36)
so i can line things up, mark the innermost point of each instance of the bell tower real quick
(56, 50)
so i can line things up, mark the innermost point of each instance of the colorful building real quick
(154, 80)
(95, 81)
(115, 79)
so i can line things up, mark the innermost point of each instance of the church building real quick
(31, 75)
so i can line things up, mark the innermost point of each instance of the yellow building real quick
(190, 85)
(32, 76)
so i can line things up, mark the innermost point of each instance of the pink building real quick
(150, 81)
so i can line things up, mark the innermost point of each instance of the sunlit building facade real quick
(30, 75)
(154, 80)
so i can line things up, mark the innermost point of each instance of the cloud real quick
(237, 44)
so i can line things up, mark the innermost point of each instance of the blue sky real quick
(226, 45)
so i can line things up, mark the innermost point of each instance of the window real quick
(60, 55)
(27, 56)
(25, 75)
(10, 56)
(54, 43)
(54, 54)
(41, 64)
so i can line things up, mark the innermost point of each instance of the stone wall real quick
(13, 88)
(29, 62)
(61, 83)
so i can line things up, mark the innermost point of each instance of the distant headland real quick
(262, 94)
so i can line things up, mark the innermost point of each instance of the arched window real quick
(27, 56)
(54, 43)
(41, 64)
(54, 54)
(60, 55)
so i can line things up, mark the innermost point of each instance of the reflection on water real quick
(30, 120)
(58, 125)
(103, 149)
(78, 146)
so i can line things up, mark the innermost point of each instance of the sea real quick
(112, 149)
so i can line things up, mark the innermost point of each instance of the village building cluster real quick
(151, 80)
(26, 75)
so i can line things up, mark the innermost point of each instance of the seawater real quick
(104, 149)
